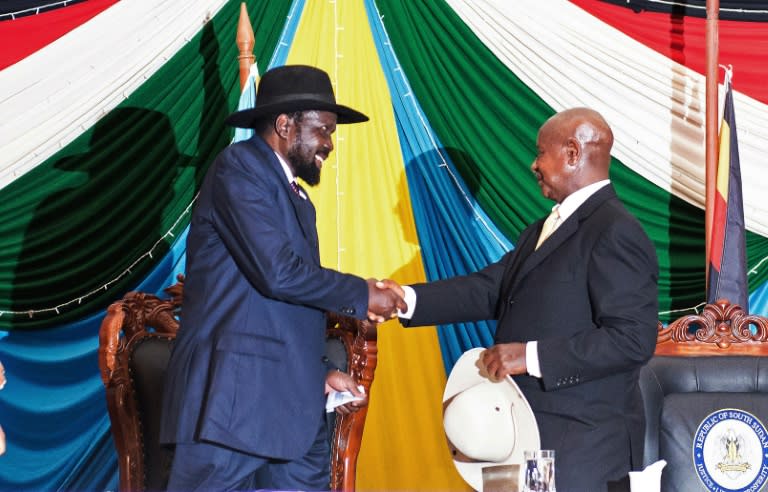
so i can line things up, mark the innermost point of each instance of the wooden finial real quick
(245, 43)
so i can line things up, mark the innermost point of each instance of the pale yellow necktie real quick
(549, 225)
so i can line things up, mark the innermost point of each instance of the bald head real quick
(590, 130)
(574, 151)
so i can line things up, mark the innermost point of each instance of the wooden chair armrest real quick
(359, 338)
(109, 339)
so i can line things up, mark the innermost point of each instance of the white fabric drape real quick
(52, 96)
(655, 106)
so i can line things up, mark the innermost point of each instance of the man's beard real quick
(303, 161)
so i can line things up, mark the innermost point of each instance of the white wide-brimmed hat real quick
(486, 422)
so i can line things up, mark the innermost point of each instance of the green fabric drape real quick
(82, 218)
(487, 118)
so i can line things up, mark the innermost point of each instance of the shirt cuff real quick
(410, 300)
(532, 359)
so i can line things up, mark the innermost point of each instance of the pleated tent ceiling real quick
(112, 118)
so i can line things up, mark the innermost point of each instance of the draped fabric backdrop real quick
(112, 112)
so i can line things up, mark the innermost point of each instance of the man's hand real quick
(504, 359)
(392, 285)
(341, 381)
(384, 299)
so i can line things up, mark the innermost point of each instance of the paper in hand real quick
(338, 398)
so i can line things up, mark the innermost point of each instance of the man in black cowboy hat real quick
(244, 392)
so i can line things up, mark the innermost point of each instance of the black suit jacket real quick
(588, 295)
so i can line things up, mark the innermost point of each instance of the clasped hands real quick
(385, 298)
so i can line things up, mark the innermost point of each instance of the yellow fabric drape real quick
(365, 224)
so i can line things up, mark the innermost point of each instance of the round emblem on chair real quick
(730, 451)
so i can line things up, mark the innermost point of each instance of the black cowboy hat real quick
(293, 88)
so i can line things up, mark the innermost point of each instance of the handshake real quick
(385, 298)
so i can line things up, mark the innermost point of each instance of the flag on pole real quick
(727, 260)
(247, 101)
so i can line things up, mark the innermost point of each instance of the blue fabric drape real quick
(455, 235)
(248, 96)
(758, 300)
(53, 408)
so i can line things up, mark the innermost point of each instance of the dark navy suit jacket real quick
(247, 369)
(589, 296)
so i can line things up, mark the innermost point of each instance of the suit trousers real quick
(208, 467)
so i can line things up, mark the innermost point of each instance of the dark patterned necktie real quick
(296, 189)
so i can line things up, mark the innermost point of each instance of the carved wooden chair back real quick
(135, 342)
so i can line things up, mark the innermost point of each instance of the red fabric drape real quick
(23, 36)
(683, 39)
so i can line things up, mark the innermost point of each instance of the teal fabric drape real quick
(476, 104)
(123, 188)
(455, 234)
(53, 408)
(82, 218)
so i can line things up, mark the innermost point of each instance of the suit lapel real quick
(307, 217)
(529, 258)
(524, 248)
(303, 209)
(535, 257)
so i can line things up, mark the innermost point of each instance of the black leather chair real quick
(146, 365)
(135, 342)
(703, 363)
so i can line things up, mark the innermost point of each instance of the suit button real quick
(511, 301)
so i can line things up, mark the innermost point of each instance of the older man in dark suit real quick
(576, 304)
(244, 393)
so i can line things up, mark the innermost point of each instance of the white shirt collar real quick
(578, 197)
(287, 170)
(289, 175)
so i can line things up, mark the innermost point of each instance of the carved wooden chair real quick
(135, 342)
(703, 363)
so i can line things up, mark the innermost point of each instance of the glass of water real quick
(539, 471)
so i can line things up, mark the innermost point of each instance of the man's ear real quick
(282, 125)
(572, 151)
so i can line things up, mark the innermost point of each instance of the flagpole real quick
(711, 144)
(245, 43)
